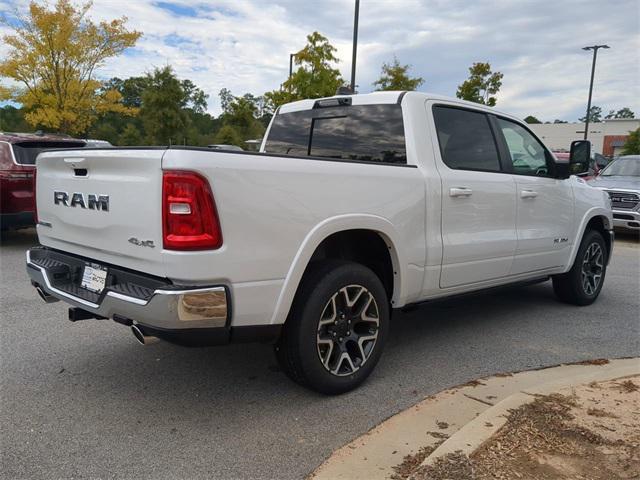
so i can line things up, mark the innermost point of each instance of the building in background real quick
(607, 137)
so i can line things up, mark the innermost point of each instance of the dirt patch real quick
(411, 462)
(473, 383)
(597, 361)
(628, 386)
(591, 432)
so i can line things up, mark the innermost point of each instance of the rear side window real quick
(26, 152)
(465, 138)
(368, 133)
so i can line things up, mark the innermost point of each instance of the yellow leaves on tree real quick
(53, 57)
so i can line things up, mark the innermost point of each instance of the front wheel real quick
(337, 327)
(582, 284)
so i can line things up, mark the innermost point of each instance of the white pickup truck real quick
(355, 205)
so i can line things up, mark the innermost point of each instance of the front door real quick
(544, 203)
(478, 199)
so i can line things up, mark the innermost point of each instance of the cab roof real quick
(389, 97)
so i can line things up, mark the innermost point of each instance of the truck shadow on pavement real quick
(88, 386)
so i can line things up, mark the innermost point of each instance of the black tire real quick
(307, 333)
(572, 287)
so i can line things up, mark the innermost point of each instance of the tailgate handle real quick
(74, 162)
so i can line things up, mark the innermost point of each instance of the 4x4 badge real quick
(142, 243)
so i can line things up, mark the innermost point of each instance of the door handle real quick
(528, 194)
(460, 192)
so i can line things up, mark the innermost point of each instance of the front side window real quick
(528, 156)
(465, 138)
(367, 133)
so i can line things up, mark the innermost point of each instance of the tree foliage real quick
(240, 118)
(481, 86)
(162, 111)
(531, 119)
(632, 144)
(394, 76)
(595, 115)
(315, 76)
(130, 136)
(625, 112)
(53, 55)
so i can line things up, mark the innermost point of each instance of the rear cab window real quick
(466, 139)
(361, 133)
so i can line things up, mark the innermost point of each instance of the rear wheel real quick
(582, 284)
(337, 327)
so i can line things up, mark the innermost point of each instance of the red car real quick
(18, 152)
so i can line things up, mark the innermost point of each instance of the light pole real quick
(291, 55)
(355, 46)
(593, 71)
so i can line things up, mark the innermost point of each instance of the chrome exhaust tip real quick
(141, 337)
(46, 298)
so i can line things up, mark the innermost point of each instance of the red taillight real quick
(189, 216)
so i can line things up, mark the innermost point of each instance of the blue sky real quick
(244, 45)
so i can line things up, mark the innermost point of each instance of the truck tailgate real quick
(103, 204)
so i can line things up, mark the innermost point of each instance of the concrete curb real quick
(465, 415)
(471, 436)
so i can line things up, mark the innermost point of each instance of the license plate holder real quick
(94, 277)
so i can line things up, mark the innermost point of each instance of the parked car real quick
(621, 180)
(18, 152)
(356, 205)
(596, 163)
(93, 143)
(234, 148)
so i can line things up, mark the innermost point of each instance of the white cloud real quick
(244, 45)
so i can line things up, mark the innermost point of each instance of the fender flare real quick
(587, 217)
(318, 234)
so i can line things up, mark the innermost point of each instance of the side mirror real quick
(580, 157)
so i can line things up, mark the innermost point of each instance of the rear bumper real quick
(626, 220)
(16, 220)
(184, 315)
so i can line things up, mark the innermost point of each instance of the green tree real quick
(595, 115)
(53, 55)
(228, 135)
(625, 112)
(241, 114)
(12, 120)
(632, 144)
(394, 76)
(130, 136)
(531, 119)
(162, 113)
(315, 76)
(105, 131)
(130, 89)
(481, 86)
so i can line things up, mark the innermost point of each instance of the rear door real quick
(478, 199)
(103, 204)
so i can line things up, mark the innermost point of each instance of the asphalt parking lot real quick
(84, 400)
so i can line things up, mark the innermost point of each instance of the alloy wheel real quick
(592, 268)
(348, 330)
